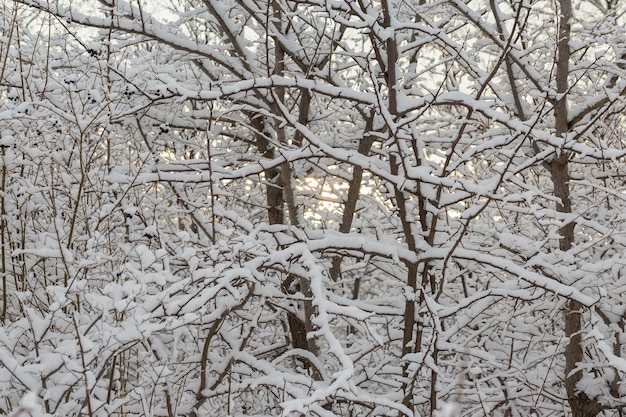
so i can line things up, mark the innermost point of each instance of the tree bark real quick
(580, 404)
(280, 194)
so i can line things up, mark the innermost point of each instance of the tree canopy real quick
(320, 208)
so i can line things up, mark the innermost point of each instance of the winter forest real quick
(312, 208)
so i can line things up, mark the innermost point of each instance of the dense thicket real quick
(321, 208)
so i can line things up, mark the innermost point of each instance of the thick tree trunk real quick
(580, 404)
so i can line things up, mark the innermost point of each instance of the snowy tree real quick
(278, 207)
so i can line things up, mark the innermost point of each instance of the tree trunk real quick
(580, 404)
(280, 194)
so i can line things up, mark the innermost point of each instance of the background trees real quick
(320, 208)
